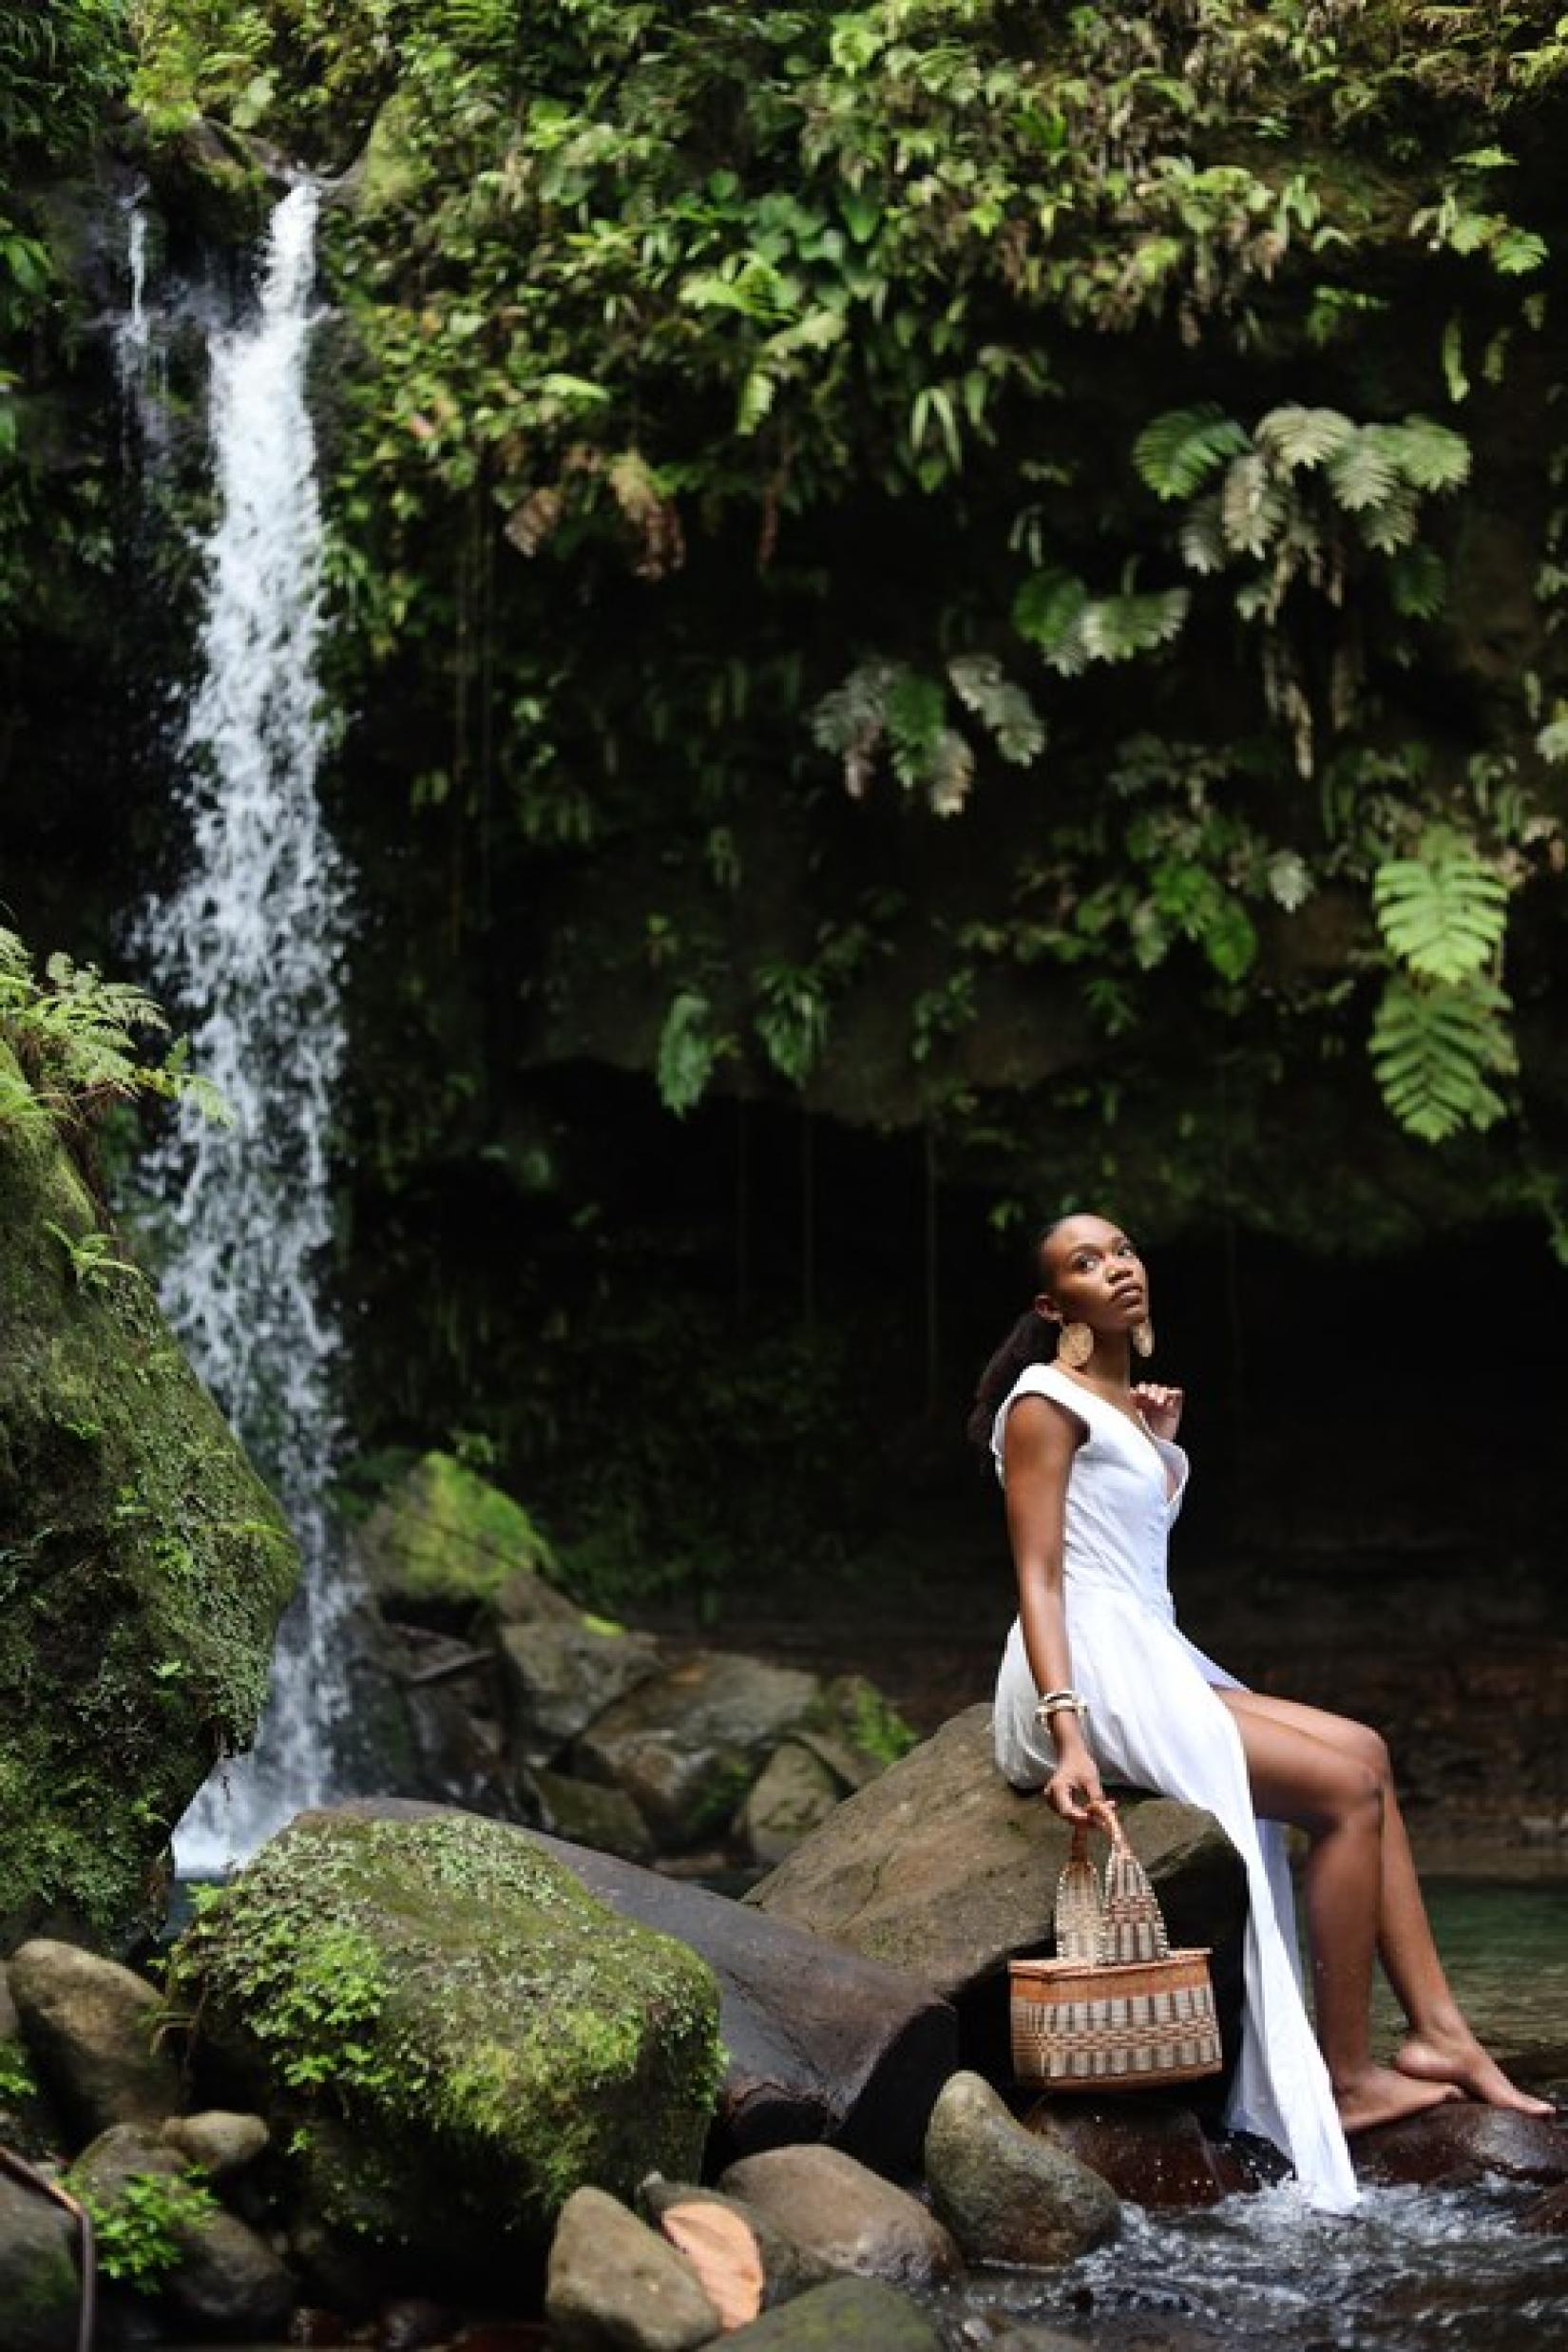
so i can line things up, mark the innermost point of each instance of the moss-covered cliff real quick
(143, 1565)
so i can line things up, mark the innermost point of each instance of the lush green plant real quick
(139, 2228)
(74, 1036)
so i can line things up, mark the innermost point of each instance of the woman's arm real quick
(1040, 1441)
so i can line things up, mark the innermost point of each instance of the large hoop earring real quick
(1075, 1344)
(1143, 1337)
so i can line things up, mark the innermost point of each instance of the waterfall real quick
(248, 948)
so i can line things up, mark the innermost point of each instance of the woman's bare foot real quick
(1456, 2056)
(1377, 2095)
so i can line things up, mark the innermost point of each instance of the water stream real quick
(247, 947)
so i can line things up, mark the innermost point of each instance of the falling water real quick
(249, 948)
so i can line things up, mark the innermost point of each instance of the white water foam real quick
(249, 949)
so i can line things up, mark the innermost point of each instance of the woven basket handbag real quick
(1116, 2009)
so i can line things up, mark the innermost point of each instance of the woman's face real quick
(1093, 1274)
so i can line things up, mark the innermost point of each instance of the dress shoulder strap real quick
(1044, 1380)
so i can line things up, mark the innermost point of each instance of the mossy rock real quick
(142, 1566)
(445, 1538)
(448, 2033)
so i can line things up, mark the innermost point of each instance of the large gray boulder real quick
(448, 2034)
(820, 2045)
(559, 1674)
(941, 1869)
(1006, 2196)
(687, 1744)
(91, 2027)
(848, 2217)
(144, 1564)
(616, 2286)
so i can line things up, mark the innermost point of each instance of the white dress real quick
(1154, 1722)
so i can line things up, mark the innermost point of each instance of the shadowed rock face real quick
(941, 1869)
(143, 1565)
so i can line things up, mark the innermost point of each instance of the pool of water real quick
(1411, 2270)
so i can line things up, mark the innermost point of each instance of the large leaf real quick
(1435, 1049)
(1430, 456)
(1294, 435)
(1365, 471)
(687, 1051)
(1176, 454)
(1443, 911)
(982, 686)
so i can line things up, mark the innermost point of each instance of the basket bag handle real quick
(1111, 1925)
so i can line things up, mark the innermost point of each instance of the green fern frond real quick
(1418, 583)
(1443, 911)
(1431, 457)
(1118, 627)
(1048, 610)
(1297, 436)
(1203, 547)
(984, 687)
(1253, 507)
(1434, 1051)
(1176, 454)
(1365, 471)
(1393, 523)
(687, 1052)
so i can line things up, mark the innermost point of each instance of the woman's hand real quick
(1073, 1789)
(1161, 1407)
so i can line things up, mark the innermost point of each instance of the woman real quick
(1094, 1478)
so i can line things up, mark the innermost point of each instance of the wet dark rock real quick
(227, 2278)
(90, 2025)
(850, 2315)
(588, 1815)
(561, 1674)
(687, 1744)
(845, 2215)
(1007, 2195)
(1449, 2146)
(217, 2140)
(39, 2286)
(821, 2045)
(413, 2323)
(616, 2286)
(1152, 2151)
(1548, 2215)
(941, 1869)
(795, 1794)
(789, 2269)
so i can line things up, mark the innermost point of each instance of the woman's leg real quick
(1440, 2046)
(1338, 1800)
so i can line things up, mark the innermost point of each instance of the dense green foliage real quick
(798, 318)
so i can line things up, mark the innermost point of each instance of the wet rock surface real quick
(942, 1870)
(847, 2216)
(686, 1745)
(788, 2267)
(39, 2286)
(821, 2045)
(90, 2026)
(1450, 2146)
(851, 2315)
(1008, 2195)
(1156, 2155)
(616, 2286)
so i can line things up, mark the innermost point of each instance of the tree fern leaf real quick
(982, 686)
(1443, 911)
(1048, 610)
(1429, 455)
(1203, 547)
(1118, 627)
(1365, 471)
(1252, 506)
(1434, 1050)
(1418, 583)
(1297, 436)
(1176, 453)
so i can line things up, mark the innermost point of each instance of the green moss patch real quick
(454, 2033)
(143, 1569)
